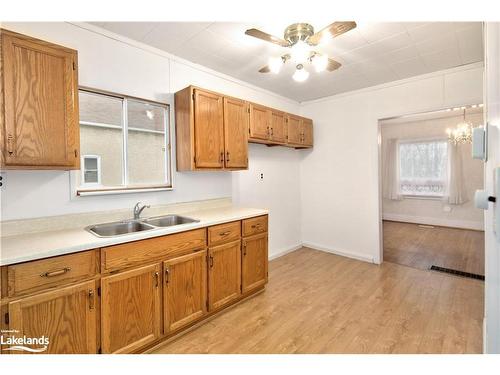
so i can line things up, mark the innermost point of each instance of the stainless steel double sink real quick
(120, 228)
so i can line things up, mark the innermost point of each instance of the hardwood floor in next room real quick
(422, 246)
(318, 302)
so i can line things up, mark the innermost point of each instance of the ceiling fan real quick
(301, 39)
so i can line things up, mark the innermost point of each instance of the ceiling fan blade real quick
(267, 37)
(333, 65)
(335, 29)
(264, 69)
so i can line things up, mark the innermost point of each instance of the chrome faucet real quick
(138, 210)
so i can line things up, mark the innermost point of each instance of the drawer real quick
(44, 273)
(224, 233)
(255, 225)
(159, 248)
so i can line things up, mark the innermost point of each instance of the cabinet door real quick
(278, 127)
(208, 130)
(67, 317)
(224, 274)
(294, 130)
(307, 132)
(185, 291)
(236, 119)
(254, 262)
(259, 122)
(41, 103)
(130, 309)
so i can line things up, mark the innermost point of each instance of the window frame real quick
(93, 189)
(422, 140)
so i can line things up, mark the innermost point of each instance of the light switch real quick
(479, 142)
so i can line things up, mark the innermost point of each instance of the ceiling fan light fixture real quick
(320, 62)
(300, 52)
(275, 64)
(300, 74)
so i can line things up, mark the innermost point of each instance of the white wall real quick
(339, 179)
(433, 211)
(117, 64)
(492, 242)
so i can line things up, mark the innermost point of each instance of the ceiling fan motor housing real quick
(298, 31)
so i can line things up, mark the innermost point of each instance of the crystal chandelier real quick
(461, 134)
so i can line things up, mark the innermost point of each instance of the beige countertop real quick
(32, 246)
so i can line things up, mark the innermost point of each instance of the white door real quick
(492, 240)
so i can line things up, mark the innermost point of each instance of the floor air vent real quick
(457, 273)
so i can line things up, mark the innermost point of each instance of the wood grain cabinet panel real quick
(130, 309)
(260, 122)
(294, 127)
(278, 127)
(226, 232)
(40, 104)
(67, 317)
(307, 132)
(208, 129)
(254, 262)
(224, 274)
(185, 290)
(235, 133)
(44, 273)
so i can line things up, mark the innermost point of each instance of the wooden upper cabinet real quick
(254, 262)
(260, 122)
(224, 274)
(235, 133)
(211, 131)
(294, 128)
(130, 309)
(39, 102)
(208, 129)
(278, 127)
(307, 132)
(67, 317)
(185, 290)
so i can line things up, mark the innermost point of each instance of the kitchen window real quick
(125, 142)
(423, 168)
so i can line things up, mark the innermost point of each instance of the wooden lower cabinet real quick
(224, 274)
(130, 309)
(66, 316)
(185, 290)
(254, 262)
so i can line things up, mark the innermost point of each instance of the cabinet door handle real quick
(222, 157)
(10, 139)
(167, 274)
(56, 273)
(91, 299)
(157, 279)
(211, 261)
(272, 131)
(244, 248)
(227, 156)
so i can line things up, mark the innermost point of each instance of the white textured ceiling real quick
(371, 54)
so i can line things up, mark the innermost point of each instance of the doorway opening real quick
(428, 179)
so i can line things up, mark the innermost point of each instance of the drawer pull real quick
(256, 226)
(223, 234)
(56, 273)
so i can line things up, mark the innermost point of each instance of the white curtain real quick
(390, 188)
(457, 193)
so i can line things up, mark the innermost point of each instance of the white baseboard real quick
(282, 252)
(462, 224)
(344, 253)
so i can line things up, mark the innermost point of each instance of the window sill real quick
(130, 190)
(424, 197)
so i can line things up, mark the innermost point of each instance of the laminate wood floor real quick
(318, 302)
(420, 247)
